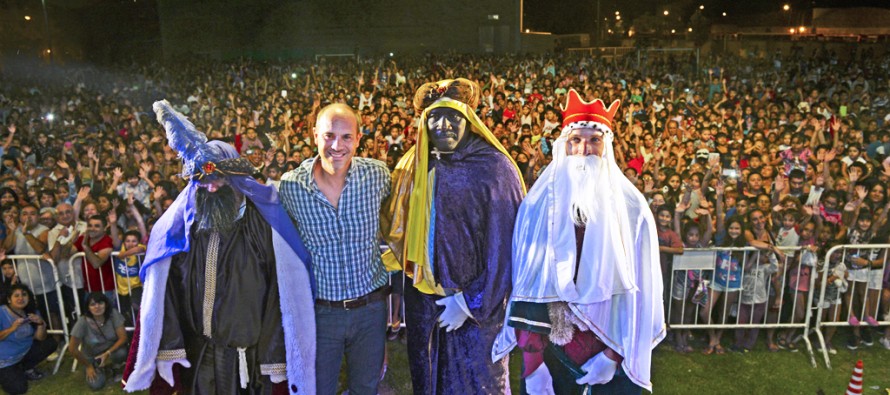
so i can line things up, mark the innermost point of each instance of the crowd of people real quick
(769, 150)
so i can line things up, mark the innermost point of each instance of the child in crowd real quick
(799, 276)
(858, 262)
(787, 235)
(686, 282)
(669, 243)
(836, 283)
(126, 271)
(726, 281)
(758, 270)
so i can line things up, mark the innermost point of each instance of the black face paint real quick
(447, 128)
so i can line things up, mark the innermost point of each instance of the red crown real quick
(577, 110)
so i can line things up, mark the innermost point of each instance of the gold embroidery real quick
(273, 368)
(171, 355)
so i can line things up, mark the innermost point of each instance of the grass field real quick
(757, 372)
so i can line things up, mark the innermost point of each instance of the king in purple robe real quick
(449, 224)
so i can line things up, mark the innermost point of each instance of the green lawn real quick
(757, 372)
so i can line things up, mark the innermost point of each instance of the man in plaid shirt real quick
(335, 201)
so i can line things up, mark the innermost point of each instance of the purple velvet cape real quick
(477, 195)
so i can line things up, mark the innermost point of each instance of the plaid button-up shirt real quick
(343, 241)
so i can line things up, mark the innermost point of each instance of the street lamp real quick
(724, 14)
(792, 30)
(666, 13)
(786, 7)
(701, 7)
(802, 29)
(27, 17)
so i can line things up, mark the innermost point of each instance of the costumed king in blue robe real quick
(449, 224)
(228, 287)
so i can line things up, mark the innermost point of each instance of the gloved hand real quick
(165, 368)
(456, 312)
(277, 378)
(600, 369)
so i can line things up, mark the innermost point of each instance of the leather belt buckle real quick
(346, 303)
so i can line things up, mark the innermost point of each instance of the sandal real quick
(709, 350)
(782, 344)
(719, 350)
(773, 348)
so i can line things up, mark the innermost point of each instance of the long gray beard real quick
(217, 211)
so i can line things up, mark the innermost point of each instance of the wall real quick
(266, 28)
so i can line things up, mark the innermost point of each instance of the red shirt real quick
(102, 279)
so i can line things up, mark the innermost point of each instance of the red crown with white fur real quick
(577, 110)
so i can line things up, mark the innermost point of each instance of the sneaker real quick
(885, 342)
(853, 321)
(871, 321)
(852, 343)
(832, 350)
(54, 356)
(33, 374)
(392, 333)
(867, 339)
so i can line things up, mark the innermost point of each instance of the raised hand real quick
(808, 210)
(159, 193)
(648, 185)
(861, 192)
(83, 193)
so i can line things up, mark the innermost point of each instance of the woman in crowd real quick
(97, 341)
(23, 341)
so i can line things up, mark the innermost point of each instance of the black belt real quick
(376, 295)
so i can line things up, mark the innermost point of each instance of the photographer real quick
(98, 339)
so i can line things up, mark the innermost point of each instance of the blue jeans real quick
(358, 333)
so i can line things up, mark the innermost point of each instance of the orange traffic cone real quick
(855, 386)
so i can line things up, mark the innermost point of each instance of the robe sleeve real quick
(271, 351)
(172, 346)
(486, 296)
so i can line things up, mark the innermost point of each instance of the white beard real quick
(580, 187)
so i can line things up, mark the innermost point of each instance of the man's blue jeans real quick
(358, 333)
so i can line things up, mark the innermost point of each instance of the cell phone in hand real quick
(730, 173)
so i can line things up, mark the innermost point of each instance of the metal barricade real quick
(746, 280)
(115, 296)
(42, 277)
(839, 301)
